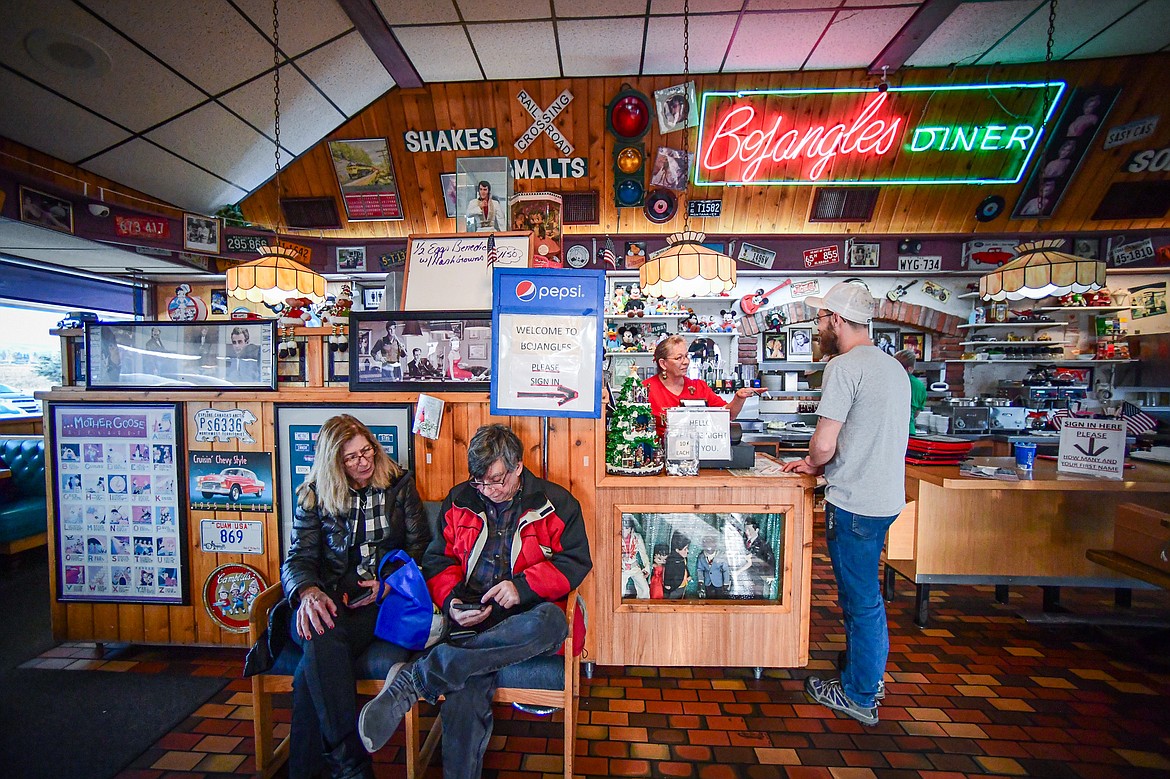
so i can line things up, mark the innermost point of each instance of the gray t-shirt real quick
(868, 391)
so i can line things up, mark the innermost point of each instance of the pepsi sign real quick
(525, 290)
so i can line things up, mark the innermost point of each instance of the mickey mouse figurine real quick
(730, 320)
(635, 306)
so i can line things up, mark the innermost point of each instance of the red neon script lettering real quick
(735, 142)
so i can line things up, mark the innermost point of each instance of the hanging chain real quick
(276, 96)
(1051, 30)
(687, 117)
(1048, 62)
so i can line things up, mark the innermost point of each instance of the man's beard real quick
(829, 343)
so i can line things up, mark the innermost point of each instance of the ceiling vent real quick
(581, 208)
(1135, 200)
(844, 204)
(316, 212)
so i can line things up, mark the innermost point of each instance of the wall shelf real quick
(1037, 325)
(1011, 344)
(1085, 309)
(1087, 363)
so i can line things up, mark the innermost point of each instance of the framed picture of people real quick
(800, 346)
(483, 192)
(224, 355)
(420, 350)
(200, 233)
(117, 496)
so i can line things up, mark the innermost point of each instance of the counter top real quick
(1141, 478)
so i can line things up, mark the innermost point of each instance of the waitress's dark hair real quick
(491, 443)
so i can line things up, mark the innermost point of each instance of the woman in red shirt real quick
(670, 386)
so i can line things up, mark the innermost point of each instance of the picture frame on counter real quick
(222, 355)
(800, 343)
(428, 351)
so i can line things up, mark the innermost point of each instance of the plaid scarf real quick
(368, 524)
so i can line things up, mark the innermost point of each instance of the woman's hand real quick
(747, 392)
(315, 613)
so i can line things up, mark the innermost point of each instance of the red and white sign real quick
(142, 226)
(823, 255)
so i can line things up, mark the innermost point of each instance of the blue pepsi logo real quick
(525, 290)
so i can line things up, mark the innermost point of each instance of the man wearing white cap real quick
(860, 446)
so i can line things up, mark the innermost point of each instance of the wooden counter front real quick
(696, 632)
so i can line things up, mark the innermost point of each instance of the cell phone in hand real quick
(357, 600)
(467, 606)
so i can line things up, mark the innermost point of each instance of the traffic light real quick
(627, 117)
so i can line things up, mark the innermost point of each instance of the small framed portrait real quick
(775, 346)
(671, 168)
(200, 233)
(351, 258)
(45, 210)
(219, 301)
(1088, 248)
(864, 255)
(915, 342)
(800, 342)
(450, 194)
(676, 107)
(886, 340)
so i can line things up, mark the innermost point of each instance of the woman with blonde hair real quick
(355, 505)
(671, 388)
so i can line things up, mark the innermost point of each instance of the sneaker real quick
(828, 692)
(380, 717)
(880, 695)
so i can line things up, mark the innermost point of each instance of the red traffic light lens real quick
(630, 116)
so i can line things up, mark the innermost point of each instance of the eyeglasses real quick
(486, 485)
(816, 318)
(365, 454)
(679, 357)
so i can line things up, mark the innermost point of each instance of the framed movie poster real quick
(420, 350)
(698, 557)
(200, 233)
(365, 173)
(297, 428)
(226, 355)
(117, 498)
(45, 210)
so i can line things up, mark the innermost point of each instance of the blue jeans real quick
(855, 547)
(466, 674)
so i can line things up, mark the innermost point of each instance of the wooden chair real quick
(552, 681)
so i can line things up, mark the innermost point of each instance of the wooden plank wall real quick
(746, 210)
(438, 466)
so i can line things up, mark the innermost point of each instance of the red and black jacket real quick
(550, 551)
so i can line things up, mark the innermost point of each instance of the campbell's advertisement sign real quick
(977, 134)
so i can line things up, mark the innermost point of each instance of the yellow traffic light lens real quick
(629, 160)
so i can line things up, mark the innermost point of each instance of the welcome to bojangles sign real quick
(976, 134)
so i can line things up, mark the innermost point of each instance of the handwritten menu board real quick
(454, 272)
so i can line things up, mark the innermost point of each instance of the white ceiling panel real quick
(1076, 22)
(792, 5)
(303, 25)
(493, 10)
(439, 53)
(710, 36)
(914, 3)
(221, 142)
(776, 41)
(56, 248)
(34, 117)
(969, 31)
(143, 166)
(305, 116)
(430, 12)
(1146, 29)
(153, 26)
(348, 72)
(856, 38)
(591, 9)
(136, 91)
(673, 7)
(499, 47)
(600, 47)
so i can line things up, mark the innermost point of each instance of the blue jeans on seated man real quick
(465, 674)
(855, 547)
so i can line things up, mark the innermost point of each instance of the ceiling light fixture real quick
(1039, 271)
(687, 268)
(278, 274)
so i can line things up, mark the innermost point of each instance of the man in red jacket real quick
(508, 550)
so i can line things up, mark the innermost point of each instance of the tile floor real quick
(980, 692)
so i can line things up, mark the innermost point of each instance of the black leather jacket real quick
(319, 554)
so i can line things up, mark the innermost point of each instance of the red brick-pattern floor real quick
(980, 692)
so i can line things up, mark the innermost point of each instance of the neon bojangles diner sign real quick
(960, 134)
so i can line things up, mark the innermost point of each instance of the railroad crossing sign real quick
(544, 122)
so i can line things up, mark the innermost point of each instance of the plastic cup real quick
(1025, 456)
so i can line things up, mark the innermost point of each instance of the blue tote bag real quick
(406, 615)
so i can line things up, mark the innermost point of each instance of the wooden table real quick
(960, 529)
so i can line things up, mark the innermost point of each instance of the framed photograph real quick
(775, 346)
(297, 427)
(483, 194)
(864, 255)
(886, 340)
(351, 258)
(800, 343)
(200, 233)
(365, 173)
(1089, 248)
(676, 107)
(45, 210)
(671, 169)
(219, 301)
(120, 537)
(430, 351)
(915, 342)
(450, 194)
(735, 555)
(225, 355)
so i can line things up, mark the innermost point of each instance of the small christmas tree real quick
(632, 447)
